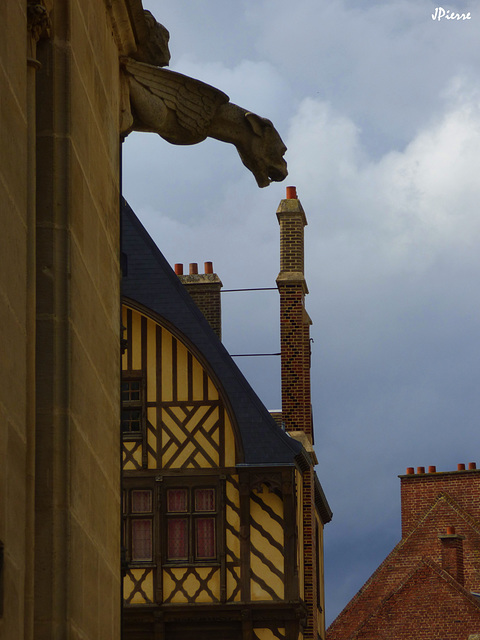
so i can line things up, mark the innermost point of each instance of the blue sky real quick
(379, 106)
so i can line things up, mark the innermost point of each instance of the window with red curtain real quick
(141, 540)
(191, 537)
(138, 524)
(205, 539)
(177, 534)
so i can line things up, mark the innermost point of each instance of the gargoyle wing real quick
(195, 103)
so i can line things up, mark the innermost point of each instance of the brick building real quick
(223, 510)
(428, 587)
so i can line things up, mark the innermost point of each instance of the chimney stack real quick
(294, 320)
(420, 489)
(205, 289)
(452, 554)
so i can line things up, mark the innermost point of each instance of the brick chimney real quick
(420, 490)
(452, 554)
(294, 320)
(205, 290)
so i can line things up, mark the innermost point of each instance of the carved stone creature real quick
(183, 110)
(153, 45)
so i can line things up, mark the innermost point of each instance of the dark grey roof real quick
(150, 281)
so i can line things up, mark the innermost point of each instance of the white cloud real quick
(414, 204)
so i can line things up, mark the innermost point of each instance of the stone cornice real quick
(129, 25)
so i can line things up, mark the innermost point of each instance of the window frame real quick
(192, 516)
(130, 516)
(136, 376)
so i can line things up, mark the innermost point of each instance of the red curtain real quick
(177, 539)
(141, 540)
(205, 538)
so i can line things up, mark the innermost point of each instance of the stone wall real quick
(14, 303)
(77, 447)
(59, 313)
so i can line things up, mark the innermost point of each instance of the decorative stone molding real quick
(38, 20)
(268, 481)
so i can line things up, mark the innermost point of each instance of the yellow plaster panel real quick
(264, 573)
(170, 590)
(233, 519)
(212, 391)
(197, 380)
(201, 459)
(186, 452)
(137, 456)
(230, 454)
(273, 504)
(166, 366)
(200, 446)
(233, 584)
(268, 634)
(177, 412)
(167, 386)
(191, 585)
(267, 547)
(152, 416)
(182, 372)
(151, 361)
(136, 341)
(133, 577)
(124, 336)
(209, 421)
(152, 437)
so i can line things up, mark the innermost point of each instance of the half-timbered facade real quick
(214, 523)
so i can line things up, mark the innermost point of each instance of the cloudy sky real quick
(379, 106)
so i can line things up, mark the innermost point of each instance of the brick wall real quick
(295, 375)
(426, 606)
(423, 589)
(418, 491)
(294, 320)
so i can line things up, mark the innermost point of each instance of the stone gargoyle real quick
(185, 111)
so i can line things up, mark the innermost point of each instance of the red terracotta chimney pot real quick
(193, 268)
(179, 269)
(450, 531)
(460, 466)
(472, 465)
(420, 469)
(432, 469)
(410, 471)
(291, 193)
(208, 267)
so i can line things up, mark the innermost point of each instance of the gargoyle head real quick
(264, 153)
(153, 47)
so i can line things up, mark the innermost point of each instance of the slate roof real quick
(149, 280)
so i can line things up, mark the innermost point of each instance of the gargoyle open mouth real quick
(277, 175)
